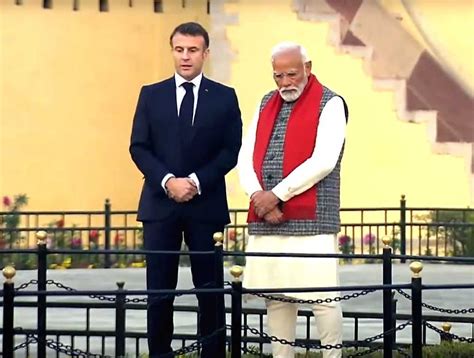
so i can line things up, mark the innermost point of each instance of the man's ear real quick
(308, 65)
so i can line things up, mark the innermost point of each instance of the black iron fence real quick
(414, 231)
(239, 335)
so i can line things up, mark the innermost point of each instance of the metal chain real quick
(63, 287)
(70, 289)
(138, 300)
(313, 302)
(100, 297)
(403, 353)
(325, 346)
(74, 352)
(30, 338)
(363, 353)
(57, 346)
(194, 346)
(449, 335)
(26, 284)
(433, 308)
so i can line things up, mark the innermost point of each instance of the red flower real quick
(118, 239)
(60, 223)
(6, 201)
(231, 234)
(93, 236)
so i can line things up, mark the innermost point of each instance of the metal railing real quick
(121, 300)
(414, 231)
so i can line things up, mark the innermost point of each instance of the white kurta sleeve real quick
(247, 176)
(328, 146)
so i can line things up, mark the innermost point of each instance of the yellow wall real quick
(69, 86)
(70, 81)
(384, 156)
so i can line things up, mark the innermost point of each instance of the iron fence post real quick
(120, 321)
(219, 283)
(8, 311)
(42, 272)
(394, 318)
(445, 336)
(416, 313)
(107, 230)
(236, 332)
(403, 227)
(387, 298)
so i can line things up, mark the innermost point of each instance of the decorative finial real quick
(387, 240)
(9, 272)
(41, 237)
(218, 238)
(446, 327)
(416, 267)
(236, 271)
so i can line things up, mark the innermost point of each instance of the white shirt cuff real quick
(195, 179)
(165, 179)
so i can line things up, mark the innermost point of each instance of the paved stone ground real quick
(102, 279)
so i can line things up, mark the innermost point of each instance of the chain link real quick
(449, 335)
(68, 350)
(26, 284)
(313, 302)
(403, 353)
(57, 346)
(30, 338)
(433, 308)
(194, 346)
(363, 353)
(325, 346)
(100, 297)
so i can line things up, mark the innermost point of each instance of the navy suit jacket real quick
(210, 151)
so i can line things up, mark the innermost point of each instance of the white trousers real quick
(281, 321)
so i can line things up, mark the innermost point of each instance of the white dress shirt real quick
(180, 92)
(328, 145)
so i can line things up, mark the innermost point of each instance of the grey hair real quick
(286, 46)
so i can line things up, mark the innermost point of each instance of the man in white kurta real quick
(289, 165)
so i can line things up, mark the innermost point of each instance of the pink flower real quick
(76, 242)
(231, 234)
(6, 201)
(344, 240)
(369, 239)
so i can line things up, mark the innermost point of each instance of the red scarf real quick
(300, 137)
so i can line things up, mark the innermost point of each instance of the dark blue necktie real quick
(187, 105)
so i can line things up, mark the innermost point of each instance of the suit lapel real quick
(203, 101)
(169, 100)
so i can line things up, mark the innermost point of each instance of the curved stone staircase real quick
(425, 90)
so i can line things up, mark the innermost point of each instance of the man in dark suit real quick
(185, 138)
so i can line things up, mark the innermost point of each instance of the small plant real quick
(370, 241)
(10, 220)
(235, 242)
(345, 246)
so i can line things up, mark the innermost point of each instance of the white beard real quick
(292, 93)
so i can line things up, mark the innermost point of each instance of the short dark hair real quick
(193, 29)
